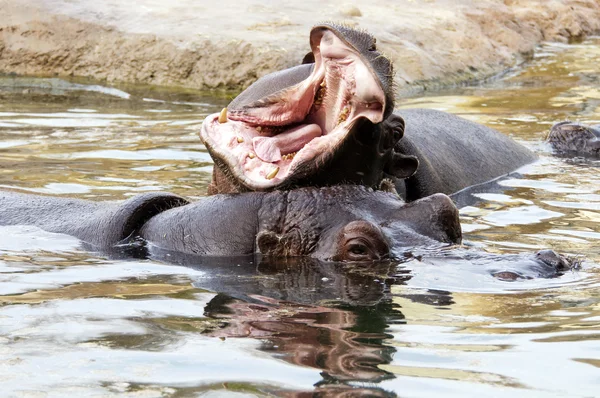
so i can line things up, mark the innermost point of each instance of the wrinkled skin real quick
(369, 146)
(333, 224)
(569, 138)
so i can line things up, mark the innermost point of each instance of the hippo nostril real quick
(373, 46)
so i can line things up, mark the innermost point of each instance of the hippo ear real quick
(395, 124)
(133, 213)
(309, 58)
(402, 166)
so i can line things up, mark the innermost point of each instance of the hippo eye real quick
(361, 241)
(359, 251)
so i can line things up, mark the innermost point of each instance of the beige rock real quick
(350, 11)
(189, 43)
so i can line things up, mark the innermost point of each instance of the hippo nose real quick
(434, 216)
(555, 260)
(445, 217)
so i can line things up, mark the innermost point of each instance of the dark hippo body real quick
(336, 223)
(569, 138)
(331, 122)
(454, 153)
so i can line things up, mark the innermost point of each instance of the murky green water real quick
(74, 322)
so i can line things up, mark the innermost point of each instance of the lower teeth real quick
(289, 156)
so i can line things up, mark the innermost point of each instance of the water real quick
(75, 322)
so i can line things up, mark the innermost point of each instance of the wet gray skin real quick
(443, 153)
(343, 223)
(575, 139)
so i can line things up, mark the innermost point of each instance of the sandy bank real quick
(228, 44)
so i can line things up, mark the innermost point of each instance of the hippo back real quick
(455, 153)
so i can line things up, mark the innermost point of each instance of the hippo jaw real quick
(288, 134)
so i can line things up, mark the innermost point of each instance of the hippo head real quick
(575, 139)
(353, 224)
(322, 123)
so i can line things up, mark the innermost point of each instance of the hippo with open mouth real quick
(291, 127)
(330, 122)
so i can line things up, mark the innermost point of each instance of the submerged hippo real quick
(575, 139)
(347, 223)
(330, 122)
(342, 223)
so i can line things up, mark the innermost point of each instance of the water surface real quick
(75, 322)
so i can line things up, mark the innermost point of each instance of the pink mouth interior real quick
(270, 149)
(264, 144)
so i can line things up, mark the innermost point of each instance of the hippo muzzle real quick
(290, 123)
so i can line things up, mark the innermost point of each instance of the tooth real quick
(273, 173)
(343, 115)
(240, 139)
(251, 155)
(223, 116)
(258, 128)
(289, 156)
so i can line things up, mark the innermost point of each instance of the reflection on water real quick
(109, 324)
(110, 142)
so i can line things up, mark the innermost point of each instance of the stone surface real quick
(229, 44)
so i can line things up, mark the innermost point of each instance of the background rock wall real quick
(229, 44)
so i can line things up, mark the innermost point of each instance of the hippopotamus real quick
(347, 223)
(571, 138)
(332, 121)
(341, 223)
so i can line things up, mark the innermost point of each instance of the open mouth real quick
(291, 131)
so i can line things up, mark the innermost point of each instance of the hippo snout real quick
(556, 261)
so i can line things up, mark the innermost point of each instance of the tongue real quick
(270, 149)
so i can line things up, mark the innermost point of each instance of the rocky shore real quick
(228, 44)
